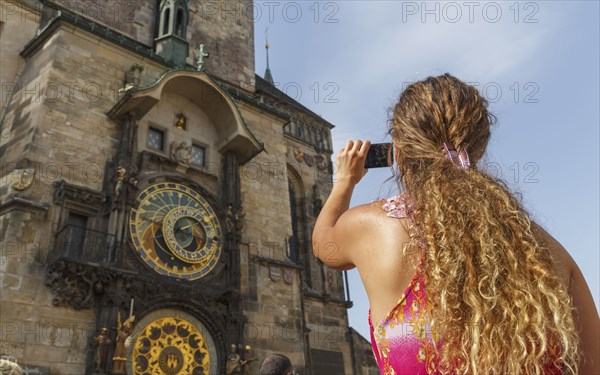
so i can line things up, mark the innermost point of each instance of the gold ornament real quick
(21, 179)
(170, 346)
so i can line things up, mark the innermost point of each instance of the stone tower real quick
(157, 197)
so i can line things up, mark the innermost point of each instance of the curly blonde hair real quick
(497, 303)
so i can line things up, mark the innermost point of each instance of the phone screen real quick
(379, 155)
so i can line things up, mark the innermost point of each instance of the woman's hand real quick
(350, 162)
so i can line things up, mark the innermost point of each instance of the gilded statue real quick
(123, 332)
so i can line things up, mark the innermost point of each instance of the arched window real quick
(179, 24)
(166, 21)
(293, 240)
(297, 242)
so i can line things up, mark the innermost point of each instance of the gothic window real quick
(293, 240)
(156, 139)
(173, 18)
(166, 21)
(298, 242)
(179, 24)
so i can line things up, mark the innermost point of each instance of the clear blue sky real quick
(537, 63)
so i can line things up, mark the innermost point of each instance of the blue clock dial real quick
(175, 231)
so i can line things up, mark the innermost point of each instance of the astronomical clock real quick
(175, 231)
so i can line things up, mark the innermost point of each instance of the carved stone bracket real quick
(74, 284)
(64, 190)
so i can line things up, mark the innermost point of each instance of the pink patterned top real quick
(402, 341)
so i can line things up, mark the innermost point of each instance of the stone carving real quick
(102, 344)
(64, 190)
(321, 162)
(299, 155)
(229, 217)
(309, 160)
(274, 273)
(9, 366)
(21, 179)
(240, 222)
(181, 153)
(123, 332)
(329, 279)
(71, 284)
(235, 221)
(288, 277)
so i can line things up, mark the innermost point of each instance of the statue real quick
(234, 366)
(123, 332)
(201, 56)
(239, 219)
(181, 122)
(132, 77)
(247, 361)
(102, 343)
(9, 366)
(120, 184)
(181, 153)
(229, 217)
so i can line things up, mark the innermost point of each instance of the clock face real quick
(175, 231)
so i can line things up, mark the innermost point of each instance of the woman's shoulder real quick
(379, 222)
(375, 211)
(397, 205)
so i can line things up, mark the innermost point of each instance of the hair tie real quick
(461, 159)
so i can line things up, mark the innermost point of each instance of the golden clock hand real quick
(150, 219)
(182, 228)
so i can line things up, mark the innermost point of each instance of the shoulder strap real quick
(397, 206)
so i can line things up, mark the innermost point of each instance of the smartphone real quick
(379, 155)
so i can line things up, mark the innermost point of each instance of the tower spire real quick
(268, 75)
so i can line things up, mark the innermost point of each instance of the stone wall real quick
(365, 363)
(14, 14)
(56, 124)
(225, 28)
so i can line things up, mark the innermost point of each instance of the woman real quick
(489, 291)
